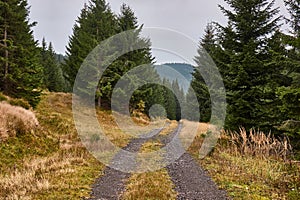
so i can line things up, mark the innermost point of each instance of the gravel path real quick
(111, 185)
(190, 180)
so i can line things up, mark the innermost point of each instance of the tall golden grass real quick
(256, 143)
(15, 120)
(251, 165)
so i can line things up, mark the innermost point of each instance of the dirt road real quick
(190, 180)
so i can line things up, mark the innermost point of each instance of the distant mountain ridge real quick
(60, 58)
(180, 71)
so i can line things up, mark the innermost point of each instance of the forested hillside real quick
(184, 75)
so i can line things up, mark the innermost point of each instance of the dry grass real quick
(170, 128)
(52, 164)
(256, 143)
(40, 175)
(136, 126)
(150, 185)
(112, 129)
(16, 121)
(254, 178)
(251, 166)
(57, 166)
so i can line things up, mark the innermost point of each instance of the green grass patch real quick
(2, 97)
(19, 102)
(15, 150)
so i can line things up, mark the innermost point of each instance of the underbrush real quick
(63, 174)
(252, 165)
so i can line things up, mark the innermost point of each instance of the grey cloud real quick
(56, 17)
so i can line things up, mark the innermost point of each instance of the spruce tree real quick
(53, 76)
(289, 94)
(293, 7)
(170, 102)
(95, 24)
(127, 21)
(21, 74)
(207, 46)
(179, 99)
(250, 67)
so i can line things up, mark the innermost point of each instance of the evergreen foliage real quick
(128, 22)
(170, 102)
(199, 86)
(95, 24)
(289, 94)
(21, 73)
(53, 75)
(249, 69)
(259, 64)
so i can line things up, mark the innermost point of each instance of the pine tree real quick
(128, 22)
(21, 75)
(95, 24)
(207, 46)
(192, 107)
(53, 76)
(293, 40)
(92, 29)
(293, 6)
(289, 94)
(170, 103)
(179, 98)
(250, 66)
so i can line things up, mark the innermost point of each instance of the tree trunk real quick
(99, 102)
(6, 60)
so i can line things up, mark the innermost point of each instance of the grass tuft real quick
(16, 121)
(252, 166)
(256, 143)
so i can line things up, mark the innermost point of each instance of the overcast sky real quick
(56, 18)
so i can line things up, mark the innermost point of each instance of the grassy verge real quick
(151, 185)
(51, 162)
(251, 167)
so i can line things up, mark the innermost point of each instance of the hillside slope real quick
(180, 71)
(49, 161)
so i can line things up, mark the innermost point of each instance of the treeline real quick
(259, 65)
(97, 23)
(26, 69)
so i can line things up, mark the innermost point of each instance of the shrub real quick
(15, 121)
